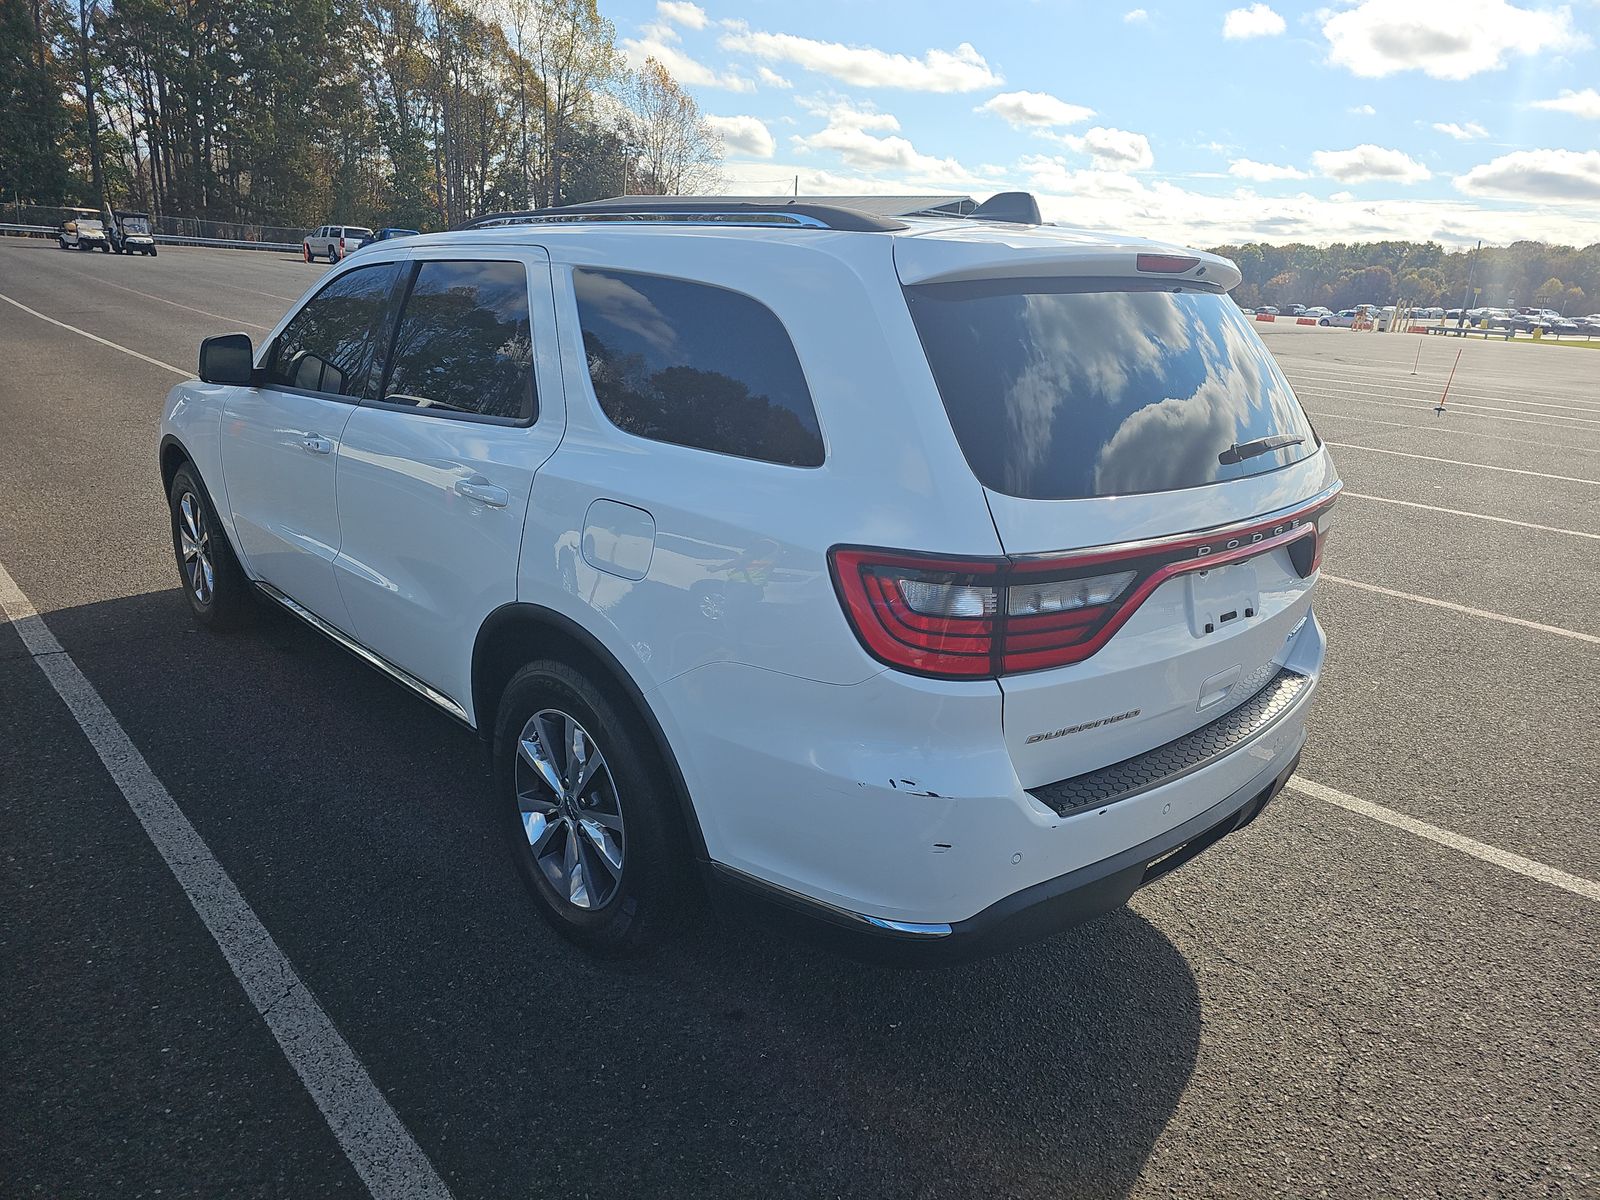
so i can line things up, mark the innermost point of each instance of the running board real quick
(398, 674)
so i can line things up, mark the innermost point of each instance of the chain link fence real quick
(40, 218)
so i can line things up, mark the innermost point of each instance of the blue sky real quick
(1201, 122)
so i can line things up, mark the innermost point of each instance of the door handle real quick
(315, 443)
(482, 491)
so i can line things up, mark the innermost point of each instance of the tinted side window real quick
(465, 341)
(696, 365)
(326, 346)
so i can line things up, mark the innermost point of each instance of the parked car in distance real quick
(1267, 310)
(130, 232)
(1297, 310)
(1343, 319)
(1317, 312)
(333, 242)
(83, 231)
(612, 494)
(389, 232)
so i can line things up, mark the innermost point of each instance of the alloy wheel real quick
(570, 810)
(194, 546)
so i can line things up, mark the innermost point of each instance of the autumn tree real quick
(675, 150)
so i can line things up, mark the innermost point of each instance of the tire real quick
(1324, 322)
(105, 247)
(626, 889)
(333, 254)
(62, 242)
(151, 252)
(219, 593)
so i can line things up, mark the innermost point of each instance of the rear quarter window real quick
(1059, 391)
(695, 365)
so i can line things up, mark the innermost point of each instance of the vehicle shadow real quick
(735, 1062)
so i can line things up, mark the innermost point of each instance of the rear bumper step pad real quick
(1180, 756)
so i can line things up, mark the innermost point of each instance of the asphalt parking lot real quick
(1388, 985)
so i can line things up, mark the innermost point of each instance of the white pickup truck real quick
(333, 242)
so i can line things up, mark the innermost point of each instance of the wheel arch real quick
(515, 634)
(173, 454)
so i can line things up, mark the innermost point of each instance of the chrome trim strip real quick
(1216, 531)
(398, 674)
(907, 929)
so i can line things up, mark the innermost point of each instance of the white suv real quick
(944, 579)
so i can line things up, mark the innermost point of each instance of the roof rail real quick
(699, 211)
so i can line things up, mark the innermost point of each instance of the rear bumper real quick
(1033, 913)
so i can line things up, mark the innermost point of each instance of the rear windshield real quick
(1061, 393)
(351, 231)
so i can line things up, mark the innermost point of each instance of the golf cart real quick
(130, 232)
(83, 230)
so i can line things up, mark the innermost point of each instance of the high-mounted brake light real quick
(981, 618)
(1166, 264)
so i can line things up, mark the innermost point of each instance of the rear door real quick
(1129, 434)
(435, 472)
(279, 439)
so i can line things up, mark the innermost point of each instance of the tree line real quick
(294, 113)
(1523, 274)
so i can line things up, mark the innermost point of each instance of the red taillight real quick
(933, 616)
(1166, 264)
(974, 618)
(980, 618)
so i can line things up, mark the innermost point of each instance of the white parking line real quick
(372, 1136)
(154, 362)
(1532, 868)
(1456, 512)
(1462, 608)
(1455, 462)
(1419, 407)
(1425, 391)
(1439, 427)
(163, 299)
(1425, 382)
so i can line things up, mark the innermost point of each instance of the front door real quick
(434, 477)
(279, 439)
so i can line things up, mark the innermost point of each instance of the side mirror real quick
(228, 358)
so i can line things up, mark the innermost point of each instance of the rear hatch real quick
(1152, 479)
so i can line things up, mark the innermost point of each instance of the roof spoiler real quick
(1019, 208)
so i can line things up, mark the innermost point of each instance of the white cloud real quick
(1542, 176)
(1256, 21)
(1136, 16)
(848, 134)
(681, 12)
(746, 137)
(1110, 149)
(659, 41)
(1366, 162)
(1446, 39)
(960, 70)
(1117, 202)
(1462, 133)
(1584, 104)
(845, 115)
(771, 78)
(1021, 109)
(1362, 110)
(1246, 168)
